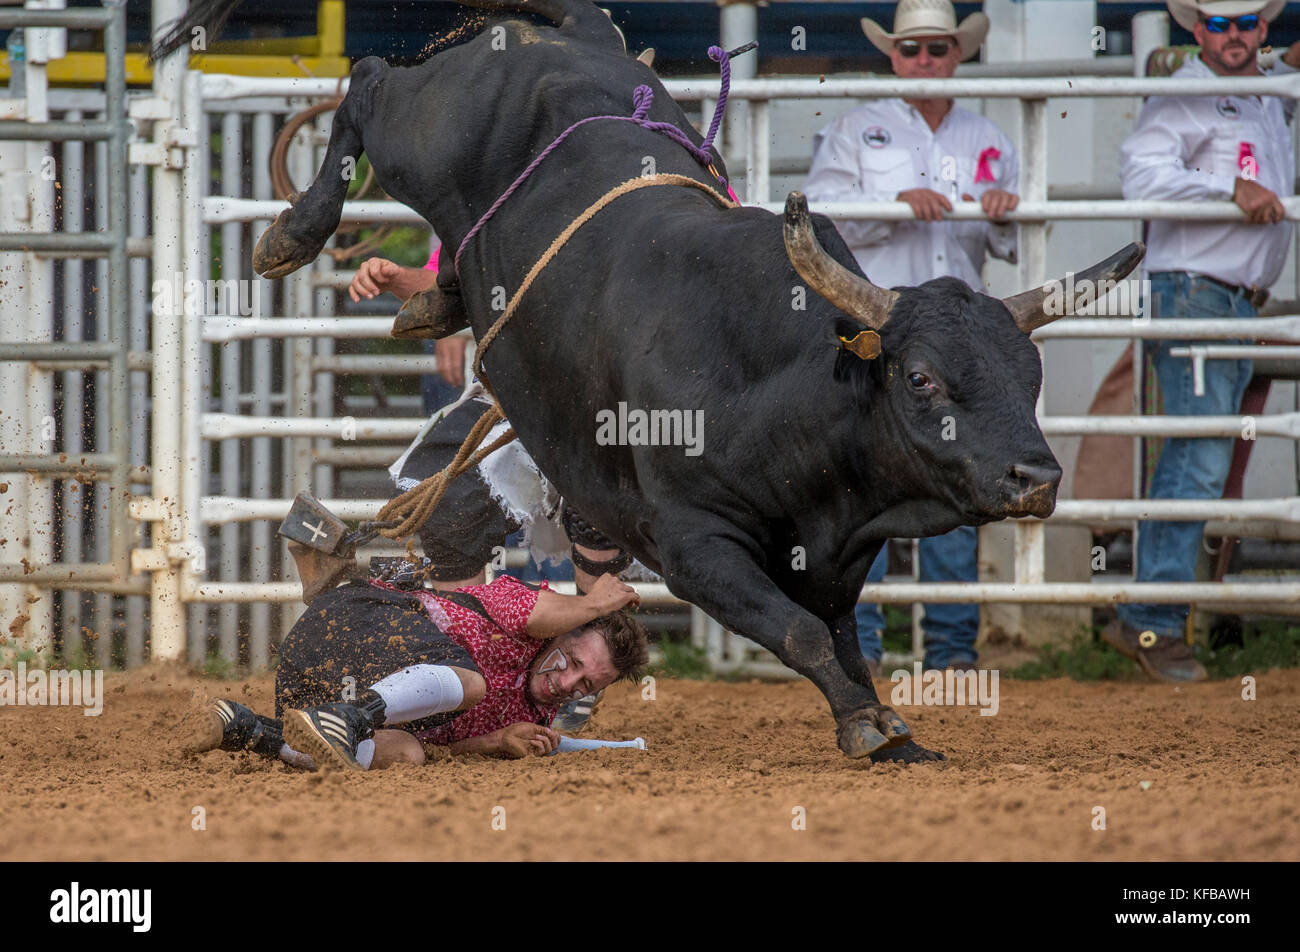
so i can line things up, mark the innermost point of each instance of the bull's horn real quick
(1030, 309)
(855, 296)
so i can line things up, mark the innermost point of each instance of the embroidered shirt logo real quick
(1227, 108)
(877, 137)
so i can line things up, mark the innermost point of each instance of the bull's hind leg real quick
(849, 655)
(722, 578)
(300, 232)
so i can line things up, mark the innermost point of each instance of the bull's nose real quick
(1031, 488)
(1030, 475)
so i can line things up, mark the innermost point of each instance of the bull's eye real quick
(919, 381)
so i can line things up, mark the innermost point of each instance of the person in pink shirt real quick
(470, 524)
(482, 669)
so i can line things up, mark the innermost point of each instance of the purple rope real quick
(723, 59)
(642, 98)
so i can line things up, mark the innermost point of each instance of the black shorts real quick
(362, 632)
(460, 534)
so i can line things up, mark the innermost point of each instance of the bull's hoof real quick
(279, 253)
(908, 753)
(431, 314)
(874, 729)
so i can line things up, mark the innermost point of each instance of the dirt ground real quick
(727, 767)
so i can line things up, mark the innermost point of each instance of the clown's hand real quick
(523, 739)
(609, 594)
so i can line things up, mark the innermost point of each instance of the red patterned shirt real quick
(501, 648)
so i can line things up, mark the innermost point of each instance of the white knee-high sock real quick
(418, 691)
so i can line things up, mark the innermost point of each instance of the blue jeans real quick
(1188, 468)
(436, 393)
(535, 572)
(949, 630)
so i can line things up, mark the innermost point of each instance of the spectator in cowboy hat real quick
(1208, 148)
(931, 155)
(923, 19)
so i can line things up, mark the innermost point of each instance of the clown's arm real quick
(554, 614)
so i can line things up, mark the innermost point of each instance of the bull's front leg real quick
(849, 654)
(299, 233)
(722, 578)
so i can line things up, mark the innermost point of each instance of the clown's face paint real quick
(575, 665)
(554, 661)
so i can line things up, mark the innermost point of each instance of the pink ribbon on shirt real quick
(983, 172)
(1246, 160)
(432, 263)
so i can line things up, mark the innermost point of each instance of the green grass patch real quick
(222, 668)
(407, 245)
(1263, 645)
(1085, 657)
(24, 655)
(681, 659)
(897, 636)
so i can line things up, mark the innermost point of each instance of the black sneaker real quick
(223, 725)
(329, 734)
(574, 716)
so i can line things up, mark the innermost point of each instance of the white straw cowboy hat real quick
(931, 18)
(1185, 11)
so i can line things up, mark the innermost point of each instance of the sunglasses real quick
(909, 49)
(1245, 24)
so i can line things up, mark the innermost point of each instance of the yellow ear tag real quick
(864, 345)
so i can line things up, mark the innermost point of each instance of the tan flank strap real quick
(414, 506)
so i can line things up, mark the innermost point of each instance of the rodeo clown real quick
(506, 492)
(482, 669)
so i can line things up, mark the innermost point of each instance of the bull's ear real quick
(1031, 308)
(859, 298)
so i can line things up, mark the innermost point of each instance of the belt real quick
(1256, 295)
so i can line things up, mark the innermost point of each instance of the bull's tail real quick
(580, 18)
(207, 15)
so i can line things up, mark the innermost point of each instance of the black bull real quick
(812, 456)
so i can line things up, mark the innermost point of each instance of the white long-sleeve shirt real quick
(1195, 147)
(885, 147)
